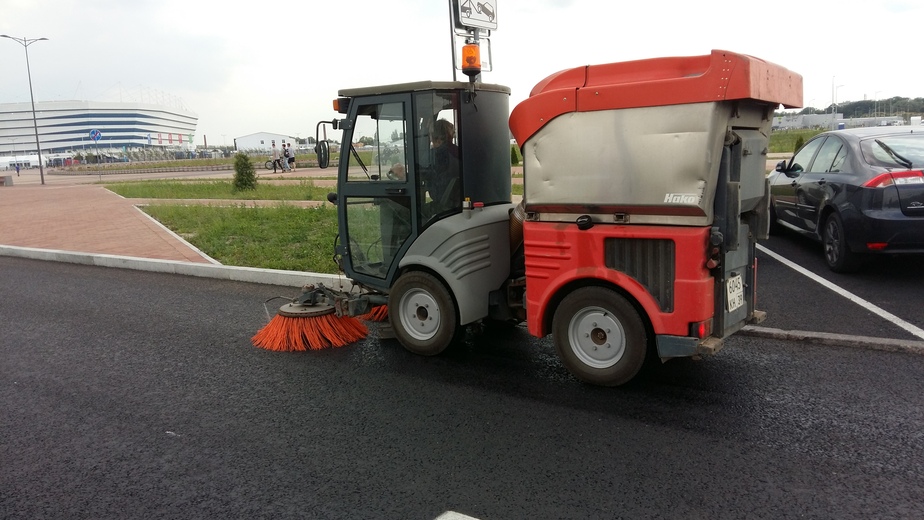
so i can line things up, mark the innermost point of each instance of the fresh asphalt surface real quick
(130, 394)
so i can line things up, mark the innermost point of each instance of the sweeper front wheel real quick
(423, 314)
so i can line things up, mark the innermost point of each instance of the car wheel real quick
(423, 314)
(599, 336)
(838, 256)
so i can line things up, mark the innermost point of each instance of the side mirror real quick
(781, 166)
(323, 151)
(332, 198)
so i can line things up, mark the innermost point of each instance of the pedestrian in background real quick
(17, 169)
(285, 158)
(291, 155)
(276, 158)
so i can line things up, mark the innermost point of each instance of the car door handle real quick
(794, 184)
(821, 182)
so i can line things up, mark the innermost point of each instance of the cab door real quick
(376, 208)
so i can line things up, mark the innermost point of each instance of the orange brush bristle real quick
(378, 313)
(300, 333)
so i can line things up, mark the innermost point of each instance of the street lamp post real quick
(834, 118)
(26, 42)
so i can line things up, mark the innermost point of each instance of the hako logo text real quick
(681, 198)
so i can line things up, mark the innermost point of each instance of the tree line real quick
(894, 106)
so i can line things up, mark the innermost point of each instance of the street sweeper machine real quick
(644, 194)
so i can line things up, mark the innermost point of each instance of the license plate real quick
(734, 291)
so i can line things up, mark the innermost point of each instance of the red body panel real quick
(720, 76)
(558, 254)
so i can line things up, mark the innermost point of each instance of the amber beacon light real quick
(471, 59)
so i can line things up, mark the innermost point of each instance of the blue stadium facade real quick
(66, 126)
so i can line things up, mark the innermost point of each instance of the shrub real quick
(514, 155)
(799, 142)
(245, 178)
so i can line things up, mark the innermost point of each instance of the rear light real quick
(896, 178)
(701, 329)
(876, 246)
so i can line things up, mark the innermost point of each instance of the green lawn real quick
(784, 141)
(218, 189)
(281, 237)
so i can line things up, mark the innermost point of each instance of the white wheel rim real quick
(419, 314)
(596, 337)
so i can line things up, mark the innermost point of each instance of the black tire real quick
(838, 255)
(599, 336)
(268, 165)
(423, 314)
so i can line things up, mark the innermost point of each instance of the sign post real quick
(472, 22)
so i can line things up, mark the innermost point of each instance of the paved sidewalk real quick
(86, 219)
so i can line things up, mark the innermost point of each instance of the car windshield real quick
(908, 146)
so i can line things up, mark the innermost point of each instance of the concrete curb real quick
(837, 340)
(294, 279)
(297, 279)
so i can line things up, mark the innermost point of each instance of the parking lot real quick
(800, 293)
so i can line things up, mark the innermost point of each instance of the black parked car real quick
(858, 191)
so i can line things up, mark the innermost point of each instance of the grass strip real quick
(279, 237)
(217, 189)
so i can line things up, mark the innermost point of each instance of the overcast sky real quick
(246, 67)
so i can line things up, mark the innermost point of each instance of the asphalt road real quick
(894, 284)
(127, 394)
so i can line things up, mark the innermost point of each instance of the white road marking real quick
(452, 515)
(917, 331)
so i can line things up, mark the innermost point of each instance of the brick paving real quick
(85, 219)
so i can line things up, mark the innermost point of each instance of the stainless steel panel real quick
(663, 157)
(652, 156)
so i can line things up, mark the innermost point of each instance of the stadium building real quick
(65, 127)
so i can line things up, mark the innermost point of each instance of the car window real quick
(910, 146)
(803, 159)
(839, 160)
(829, 151)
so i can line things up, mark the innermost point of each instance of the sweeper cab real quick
(644, 196)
